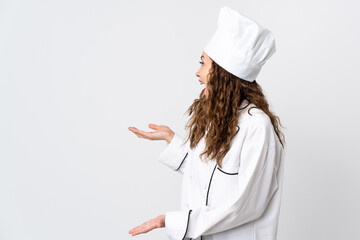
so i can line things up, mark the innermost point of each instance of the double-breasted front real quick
(242, 199)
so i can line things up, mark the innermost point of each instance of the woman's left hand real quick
(157, 222)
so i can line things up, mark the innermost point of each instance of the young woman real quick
(232, 159)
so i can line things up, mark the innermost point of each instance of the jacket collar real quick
(243, 104)
(244, 107)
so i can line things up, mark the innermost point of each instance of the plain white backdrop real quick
(74, 75)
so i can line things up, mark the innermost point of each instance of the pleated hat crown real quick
(240, 45)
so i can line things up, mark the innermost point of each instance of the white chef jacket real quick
(239, 201)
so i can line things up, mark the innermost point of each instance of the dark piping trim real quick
(207, 195)
(187, 225)
(227, 172)
(237, 128)
(182, 161)
(245, 106)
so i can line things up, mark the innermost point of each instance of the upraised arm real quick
(176, 151)
(161, 133)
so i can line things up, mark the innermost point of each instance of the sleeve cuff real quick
(174, 153)
(176, 224)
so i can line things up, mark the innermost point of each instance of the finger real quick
(143, 134)
(134, 230)
(136, 131)
(133, 129)
(138, 135)
(141, 230)
(137, 230)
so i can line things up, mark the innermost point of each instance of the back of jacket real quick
(240, 200)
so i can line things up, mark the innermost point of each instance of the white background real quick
(74, 75)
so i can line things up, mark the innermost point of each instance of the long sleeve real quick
(257, 182)
(175, 153)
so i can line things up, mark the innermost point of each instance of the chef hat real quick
(240, 45)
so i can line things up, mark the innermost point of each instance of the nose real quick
(197, 74)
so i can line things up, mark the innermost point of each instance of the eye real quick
(201, 62)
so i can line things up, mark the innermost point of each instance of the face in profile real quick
(203, 72)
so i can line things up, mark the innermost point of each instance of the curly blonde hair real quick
(218, 113)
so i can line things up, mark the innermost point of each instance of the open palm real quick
(161, 132)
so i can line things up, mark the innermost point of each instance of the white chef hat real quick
(240, 45)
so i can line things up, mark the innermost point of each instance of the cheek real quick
(207, 78)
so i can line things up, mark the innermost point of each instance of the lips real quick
(202, 83)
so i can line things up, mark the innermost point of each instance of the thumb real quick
(153, 126)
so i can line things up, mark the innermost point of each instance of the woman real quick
(232, 160)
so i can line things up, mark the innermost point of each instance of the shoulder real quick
(255, 125)
(253, 116)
